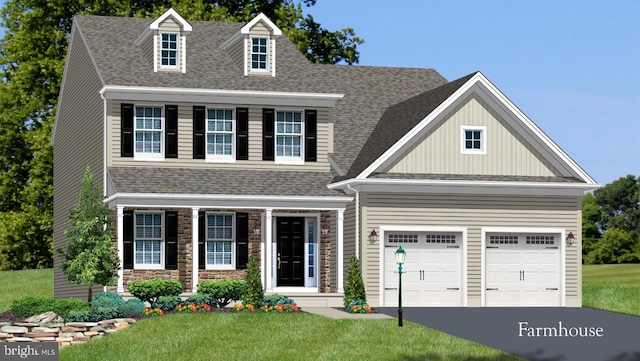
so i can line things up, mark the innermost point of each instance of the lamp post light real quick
(400, 256)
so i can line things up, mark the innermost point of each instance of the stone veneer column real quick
(194, 249)
(268, 238)
(340, 241)
(120, 240)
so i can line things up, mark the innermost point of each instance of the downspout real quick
(357, 222)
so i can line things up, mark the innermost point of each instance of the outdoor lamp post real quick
(400, 256)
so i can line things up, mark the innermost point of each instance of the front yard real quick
(613, 287)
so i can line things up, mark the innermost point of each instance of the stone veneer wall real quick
(184, 271)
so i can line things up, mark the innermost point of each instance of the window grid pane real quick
(169, 51)
(259, 52)
(148, 238)
(148, 130)
(473, 139)
(288, 134)
(219, 248)
(220, 132)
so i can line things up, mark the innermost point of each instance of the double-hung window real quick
(148, 132)
(220, 134)
(220, 241)
(169, 50)
(473, 139)
(289, 134)
(259, 53)
(148, 240)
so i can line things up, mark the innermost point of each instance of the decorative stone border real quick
(65, 334)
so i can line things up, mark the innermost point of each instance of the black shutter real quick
(126, 130)
(171, 132)
(202, 228)
(310, 137)
(242, 240)
(242, 133)
(171, 240)
(268, 120)
(198, 132)
(127, 225)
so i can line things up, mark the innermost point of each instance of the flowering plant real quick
(148, 311)
(280, 308)
(359, 306)
(238, 307)
(193, 308)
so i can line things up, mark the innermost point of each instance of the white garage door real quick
(523, 270)
(433, 269)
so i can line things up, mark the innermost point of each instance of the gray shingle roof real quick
(220, 181)
(399, 119)
(476, 177)
(368, 90)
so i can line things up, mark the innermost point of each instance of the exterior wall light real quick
(570, 240)
(373, 236)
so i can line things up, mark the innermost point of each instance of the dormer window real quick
(259, 53)
(169, 51)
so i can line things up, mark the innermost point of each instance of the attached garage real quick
(523, 269)
(433, 271)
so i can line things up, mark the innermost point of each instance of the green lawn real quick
(613, 287)
(17, 284)
(232, 336)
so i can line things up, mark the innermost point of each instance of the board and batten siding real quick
(440, 150)
(472, 212)
(185, 141)
(78, 143)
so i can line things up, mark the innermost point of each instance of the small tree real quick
(89, 257)
(255, 293)
(354, 288)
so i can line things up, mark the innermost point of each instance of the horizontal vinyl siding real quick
(260, 30)
(147, 49)
(169, 25)
(78, 144)
(185, 141)
(440, 150)
(236, 52)
(472, 213)
(349, 236)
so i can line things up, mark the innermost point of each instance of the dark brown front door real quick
(290, 257)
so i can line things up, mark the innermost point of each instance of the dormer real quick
(164, 42)
(253, 48)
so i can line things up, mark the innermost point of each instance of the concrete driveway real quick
(553, 334)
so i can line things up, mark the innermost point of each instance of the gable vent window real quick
(474, 140)
(169, 56)
(259, 53)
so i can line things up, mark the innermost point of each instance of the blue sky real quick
(572, 67)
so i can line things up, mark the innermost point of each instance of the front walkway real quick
(337, 314)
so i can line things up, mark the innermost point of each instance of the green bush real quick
(150, 290)
(106, 313)
(32, 305)
(166, 303)
(254, 294)
(62, 307)
(200, 298)
(79, 316)
(106, 299)
(276, 299)
(224, 291)
(132, 307)
(354, 288)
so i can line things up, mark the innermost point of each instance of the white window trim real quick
(311, 281)
(217, 158)
(178, 50)
(149, 156)
(143, 266)
(232, 266)
(251, 68)
(483, 139)
(289, 160)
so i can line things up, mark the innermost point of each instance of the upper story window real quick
(289, 135)
(220, 134)
(148, 132)
(474, 140)
(148, 240)
(259, 53)
(169, 50)
(220, 244)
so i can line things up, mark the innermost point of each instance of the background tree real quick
(611, 222)
(89, 257)
(32, 55)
